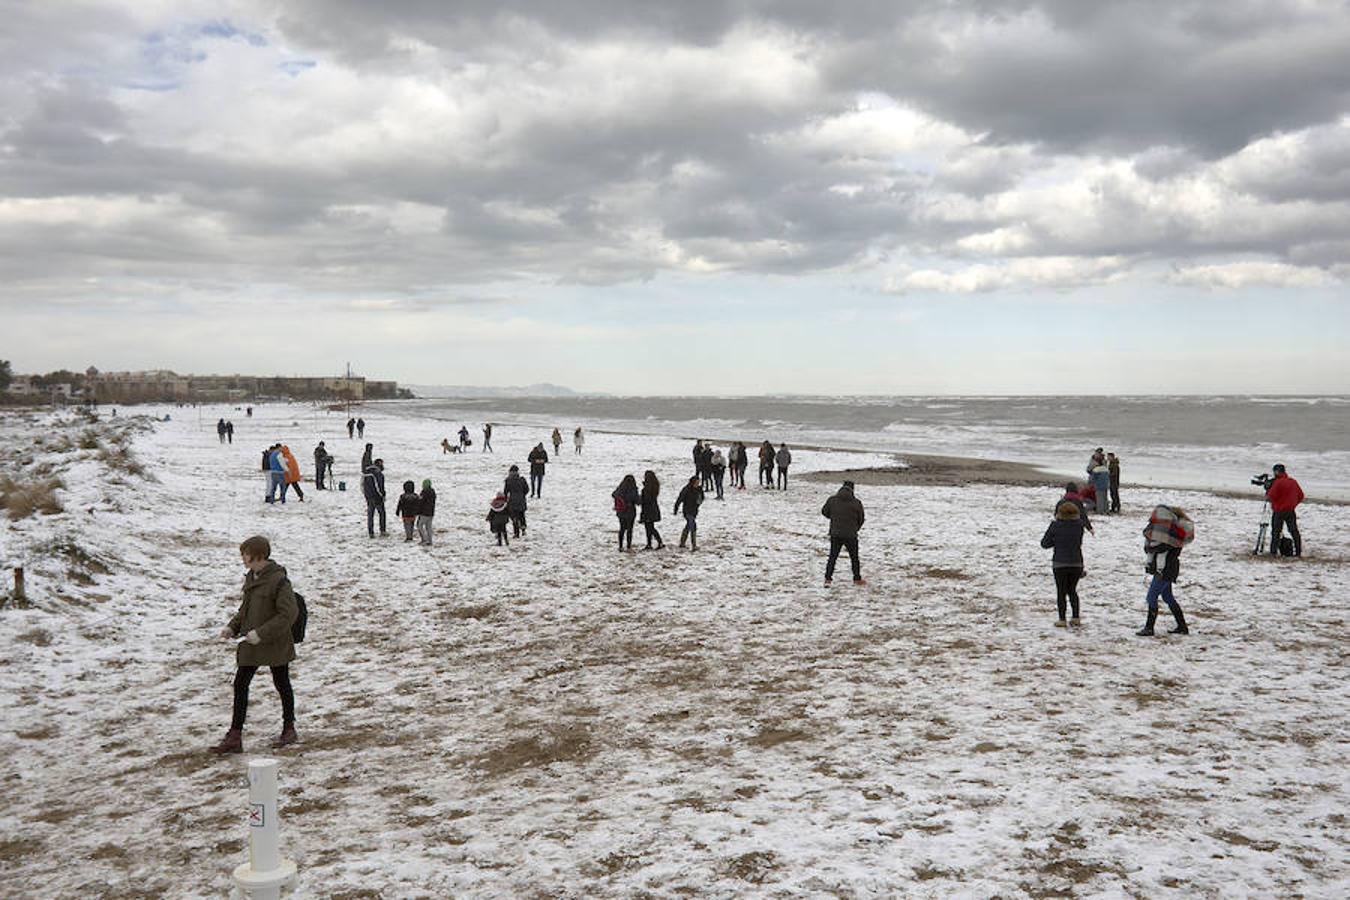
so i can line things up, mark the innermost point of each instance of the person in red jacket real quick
(1284, 495)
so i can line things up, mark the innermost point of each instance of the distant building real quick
(162, 385)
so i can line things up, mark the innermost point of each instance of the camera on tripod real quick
(1263, 480)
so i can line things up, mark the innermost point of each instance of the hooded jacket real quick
(428, 507)
(691, 498)
(630, 495)
(1065, 535)
(372, 484)
(267, 607)
(845, 513)
(784, 458)
(538, 458)
(292, 467)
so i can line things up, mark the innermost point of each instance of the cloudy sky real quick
(881, 196)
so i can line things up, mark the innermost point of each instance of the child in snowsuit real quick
(409, 505)
(497, 518)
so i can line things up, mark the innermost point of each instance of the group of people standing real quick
(712, 466)
(356, 428)
(225, 431)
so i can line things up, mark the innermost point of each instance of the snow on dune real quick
(561, 719)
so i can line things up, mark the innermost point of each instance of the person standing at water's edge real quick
(690, 499)
(578, 439)
(1113, 469)
(487, 438)
(783, 459)
(266, 612)
(537, 459)
(626, 499)
(846, 516)
(1065, 536)
(650, 500)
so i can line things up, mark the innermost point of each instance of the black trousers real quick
(652, 533)
(517, 522)
(626, 528)
(717, 475)
(536, 484)
(782, 478)
(843, 543)
(1115, 495)
(281, 677)
(1277, 522)
(1066, 588)
(373, 507)
(318, 478)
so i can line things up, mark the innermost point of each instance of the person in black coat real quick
(690, 499)
(626, 500)
(649, 500)
(537, 459)
(846, 516)
(372, 486)
(426, 511)
(1065, 536)
(704, 467)
(516, 490)
(321, 463)
(367, 456)
(408, 508)
(220, 430)
(360, 428)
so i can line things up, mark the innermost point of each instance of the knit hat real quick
(499, 503)
(408, 487)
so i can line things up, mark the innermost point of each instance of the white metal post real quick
(265, 873)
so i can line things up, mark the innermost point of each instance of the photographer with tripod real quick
(1284, 495)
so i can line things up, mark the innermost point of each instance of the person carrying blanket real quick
(1169, 529)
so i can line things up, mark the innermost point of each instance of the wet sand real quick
(945, 471)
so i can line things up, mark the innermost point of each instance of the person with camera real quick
(1284, 494)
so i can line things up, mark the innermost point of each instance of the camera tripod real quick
(1265, 526)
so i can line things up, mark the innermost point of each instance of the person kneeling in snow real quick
(266, 613)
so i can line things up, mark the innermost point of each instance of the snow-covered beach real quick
(560, 719)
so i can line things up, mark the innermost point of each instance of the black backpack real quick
(1286, 546)
(301, 619)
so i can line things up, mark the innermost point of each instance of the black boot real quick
(1181, 622)
(684, 536)
(1147, 630)
(693, 540)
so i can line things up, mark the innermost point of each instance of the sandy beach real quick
(561, 719)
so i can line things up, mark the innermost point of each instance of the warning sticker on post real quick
(255, 815)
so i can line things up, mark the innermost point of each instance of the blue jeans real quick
(275, 480)
(1160, 588)
(1101, 483)
(691, 522)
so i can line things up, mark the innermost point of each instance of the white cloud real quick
(1054, 273)
(1252, 273)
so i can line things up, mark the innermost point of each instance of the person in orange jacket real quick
(1284, 494)
(292, 475)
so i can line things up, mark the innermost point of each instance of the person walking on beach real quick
(690, 499)
(291, 477)
(276, 474)
(497, 517)
(372, 486)
(705, 468)
(846, 516)
(1168, 530)
(650, 501)
(408, 508)
(220, 430)
(361, 428)
(698, 459)
(538, 460)
(367, 457)
(1113, 470)
(718, 467)
(351, 428)
(463, 437)
(766, 455)
(783, 460)
(266, 613)
(229, 431)
(487, 438)
(557, 442)
(578, 439)
(1284, 494)
(516, 491)
(426, 511)
(321, 462)
(1065, 537)
(626, 499)
(740, 461)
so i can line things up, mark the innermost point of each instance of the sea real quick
(1205, 442)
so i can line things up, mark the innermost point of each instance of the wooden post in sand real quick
(18, 598)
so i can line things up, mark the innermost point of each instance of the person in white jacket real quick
(578, 439)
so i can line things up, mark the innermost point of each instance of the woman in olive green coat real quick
(264, 620)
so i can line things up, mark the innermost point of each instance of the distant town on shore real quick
(162, 385)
